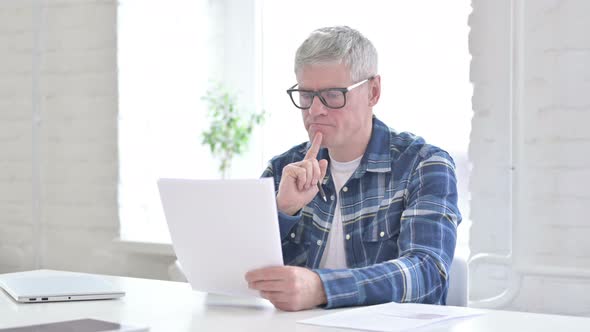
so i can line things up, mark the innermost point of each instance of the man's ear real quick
(374, 90)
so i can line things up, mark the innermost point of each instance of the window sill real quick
(145, 247)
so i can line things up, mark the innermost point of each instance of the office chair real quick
(458, 294)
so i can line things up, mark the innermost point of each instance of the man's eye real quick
(332, 94)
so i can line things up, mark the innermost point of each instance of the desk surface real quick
(173, 306)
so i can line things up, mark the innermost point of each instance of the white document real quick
(392, 317)
(221, 229)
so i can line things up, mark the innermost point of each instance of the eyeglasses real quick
(333, 98)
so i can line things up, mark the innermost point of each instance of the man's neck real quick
(351, 151)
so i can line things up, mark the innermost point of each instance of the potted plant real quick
(230, 128)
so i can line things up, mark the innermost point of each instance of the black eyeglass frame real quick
(318, 93)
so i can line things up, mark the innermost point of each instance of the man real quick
(386, 228)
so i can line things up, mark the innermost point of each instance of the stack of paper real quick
(392, 317)
(214, 240)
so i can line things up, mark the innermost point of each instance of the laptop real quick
(51, 286)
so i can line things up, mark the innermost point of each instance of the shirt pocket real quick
(296, 246)
(379, 236)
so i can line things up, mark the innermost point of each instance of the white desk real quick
(173, 306)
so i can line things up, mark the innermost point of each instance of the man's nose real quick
(317, 107)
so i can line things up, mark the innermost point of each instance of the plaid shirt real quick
(399, 216)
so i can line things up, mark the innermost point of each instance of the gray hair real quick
(339, 44)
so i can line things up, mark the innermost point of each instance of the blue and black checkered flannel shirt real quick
(400, 217)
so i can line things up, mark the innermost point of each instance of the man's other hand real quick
(288, 288)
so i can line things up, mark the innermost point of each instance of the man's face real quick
(340, 127)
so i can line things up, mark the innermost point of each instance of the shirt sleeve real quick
(426, 244)
(286, 222)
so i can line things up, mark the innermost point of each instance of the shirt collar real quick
(377, 157)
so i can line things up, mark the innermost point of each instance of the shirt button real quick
(292, 235)
(319, 242)
(345, 189)
(348, 236)
(382, 234)
(332, 197)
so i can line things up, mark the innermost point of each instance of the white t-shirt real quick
(334, 256)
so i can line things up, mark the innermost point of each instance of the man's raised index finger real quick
(312, 153)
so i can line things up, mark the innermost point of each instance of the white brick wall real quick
(490, 178)
(552, 81)
(16, 232)
(77, 140)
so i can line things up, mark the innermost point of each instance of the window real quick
(424, 63)
(162, 74)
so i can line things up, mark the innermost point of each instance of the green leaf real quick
(229, 127)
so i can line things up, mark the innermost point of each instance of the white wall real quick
(539, 67)
(76, 142)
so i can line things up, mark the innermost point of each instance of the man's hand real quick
(299, 180)
(289, 288)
